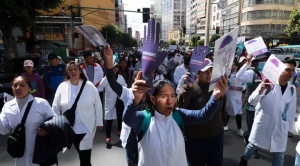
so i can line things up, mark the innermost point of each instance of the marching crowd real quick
(183, 120)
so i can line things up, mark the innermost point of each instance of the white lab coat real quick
(234, 97)
(270, 130)
(98, 75)
(111, 98)
(179, 72)
(180, 84)
(11, 116)
(297, 128)
(89, 108)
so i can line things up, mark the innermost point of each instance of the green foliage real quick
(194, 41)
(293, 27)
(171, 42)
(200, 42)
(213, 38)
(114, 36)
(24, 12)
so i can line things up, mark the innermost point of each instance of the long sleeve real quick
(255, 97)
(42, 88)
(98, 108)
(244, 74)
(4, 123)
(132, 117)
(56, 106)
(185, 96)
(115, 86)
(180, 84)
(297, 125)
(292, 109)
(191, 117)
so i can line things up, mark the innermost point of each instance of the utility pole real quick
(72, 28)
(207, 23)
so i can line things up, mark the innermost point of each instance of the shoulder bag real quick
(16, 141)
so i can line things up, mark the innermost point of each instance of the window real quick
(279, 14)
(215, 8)
(218, 16)
(274, 13)
(289, 2)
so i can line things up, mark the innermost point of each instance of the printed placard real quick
(256, 46)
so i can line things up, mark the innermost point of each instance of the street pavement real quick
(114, 154)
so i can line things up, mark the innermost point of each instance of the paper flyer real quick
(92, 35)
(151, 59)
(273, 69)
(256, 46)
(197, 61)
(224, 55)
(178, 58)
(172, 48)
(7, 97)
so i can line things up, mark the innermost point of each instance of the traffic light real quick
(76, 35)
(146, 15)
(217, 30)
(184, 30)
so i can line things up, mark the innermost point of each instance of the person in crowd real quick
(37, 83)
(125, 72)
(92, 71)
(272, 121)
(113, 106)
(54, 73)
(138, 65)
(88, 113)
(297, 128)
(131, 62)
(181, 70)
(234, 102)
(157, 75)
(163, 132)
(207, 139)
(172, 65)
(13, 111)
(252, 78)
(210, 56)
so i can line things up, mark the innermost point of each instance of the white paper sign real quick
(7, 97)
(256, 46)
(224, 55)
(172, 48)
(92, 35)
(273, 69)
(178, 58)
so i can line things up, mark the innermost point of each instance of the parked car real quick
(14, 67)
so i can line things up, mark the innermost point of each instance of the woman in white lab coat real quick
(274, 116)
(113, 106)
(234, 102)
(13, 111)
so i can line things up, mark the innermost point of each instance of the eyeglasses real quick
(72, 70)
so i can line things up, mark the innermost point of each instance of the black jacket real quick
(60, 135)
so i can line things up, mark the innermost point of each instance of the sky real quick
(135, 20)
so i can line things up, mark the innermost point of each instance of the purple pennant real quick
(197, 61)
(150, 59)
(226, 41)
(275, 62)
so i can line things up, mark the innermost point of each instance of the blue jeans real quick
(132, 147)
(206, 151)
(278, 157)
(297, 160)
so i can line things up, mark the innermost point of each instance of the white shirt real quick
(11, 116)
(179, 72)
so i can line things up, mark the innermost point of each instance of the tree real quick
(21, 13)
(112, 34)
(200, 42)
(293, 27)
(171, 42)
(213, 38)
(193, 41)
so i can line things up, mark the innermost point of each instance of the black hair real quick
(26, 79)
(86, 54)
(209, 54)
(187, 60)
(157, 85)
(290, 61)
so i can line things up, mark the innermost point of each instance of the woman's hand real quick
(249, 59)
(41, 132)
(186, 80)
(108, 55)
(139, 88)
(264, 85)
(221, 87)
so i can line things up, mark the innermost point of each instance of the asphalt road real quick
(114, 155)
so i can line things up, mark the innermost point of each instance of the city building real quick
(173, 17)
(137, 36)
(129, 31)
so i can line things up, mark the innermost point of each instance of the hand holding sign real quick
(150, 59)
(197, 61)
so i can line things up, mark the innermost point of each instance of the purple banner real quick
(197, 61)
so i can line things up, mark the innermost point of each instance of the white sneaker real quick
(226, 128)
(240, 132)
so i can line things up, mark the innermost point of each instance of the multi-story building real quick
(120, 16)
(137, 36)
(266, 18)
(173, 17)
(158, 14)
(130, 31)
(230, 16)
